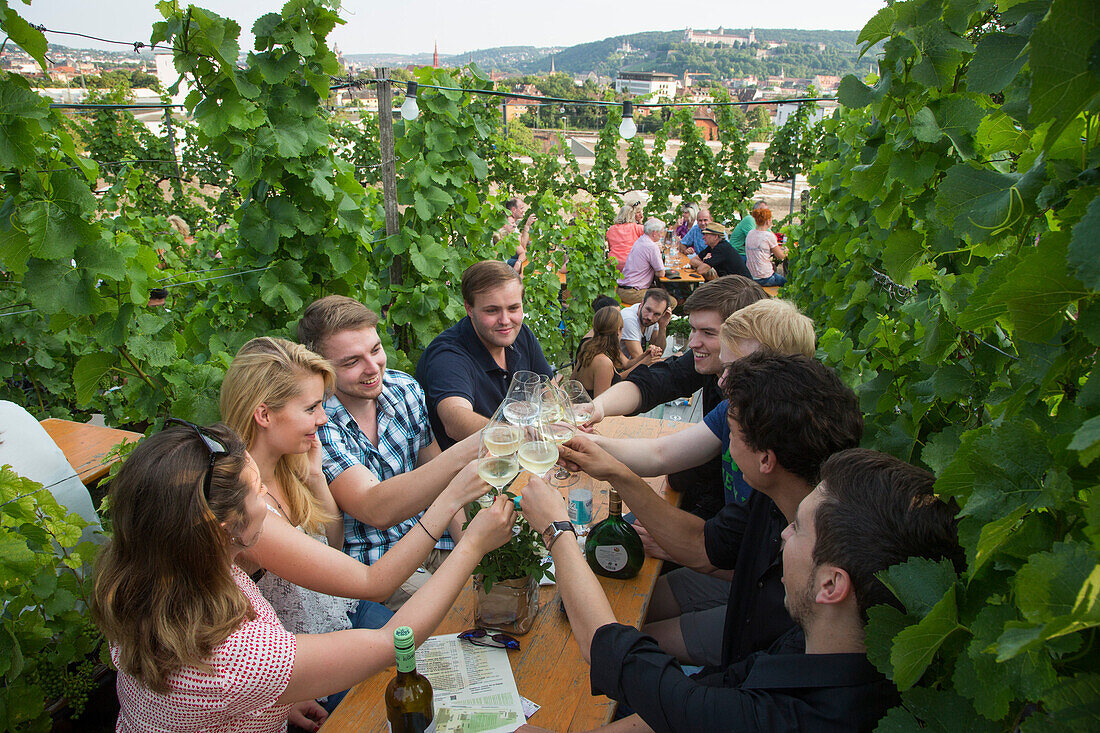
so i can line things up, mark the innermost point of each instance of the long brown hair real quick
(605, 339)
(269, 371)
(164, 593)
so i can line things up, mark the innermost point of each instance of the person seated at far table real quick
(747, 224)
(643, 264)
(869, 511)
(196, 645)
(718, 258)
(688, 212)
(693, 240)
(599, 359)
(516, 208)
(622, 235)
(760, 246)
(681, 377)
(688, 609)
(645, 324)
(466, 370)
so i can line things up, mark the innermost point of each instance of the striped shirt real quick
(403, 430)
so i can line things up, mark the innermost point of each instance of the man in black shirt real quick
(869, 512)
(718, 258)
(646, 387)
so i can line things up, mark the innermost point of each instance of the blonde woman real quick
(196, 645)
(272, 397)
(622, 235)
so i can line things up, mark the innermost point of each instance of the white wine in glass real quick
(501, 439)
(538, 456)
(521, 413)
(497, 471)
(560, 432)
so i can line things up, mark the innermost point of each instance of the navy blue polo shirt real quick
(457, 364)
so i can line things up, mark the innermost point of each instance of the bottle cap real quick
(403, 638)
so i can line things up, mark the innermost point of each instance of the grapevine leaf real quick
(89, 372)
(915, 646)
(1075, 702)
(997, 60)
(854, 93)
(925, 128)
(1087, 441)
(19, 30)
(919, 583)
(878, 27)
(1062, 85)
(1048, 585)
(1084, 247)
(1037, 294)
(976, 201)
(884, 623)
(993, 535)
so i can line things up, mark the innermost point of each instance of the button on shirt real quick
(745, 538)
(782, 689)
(642, 264)
(457, 364)
(403, 431)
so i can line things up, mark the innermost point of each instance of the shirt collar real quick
(788, 671)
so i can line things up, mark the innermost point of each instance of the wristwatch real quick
(555, 530)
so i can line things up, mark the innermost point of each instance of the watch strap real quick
(555, 530)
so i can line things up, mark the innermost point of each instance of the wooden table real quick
(548, 667)
(85, 445)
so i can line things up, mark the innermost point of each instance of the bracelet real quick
(434, 539)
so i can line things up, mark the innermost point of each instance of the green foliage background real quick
(951, 259)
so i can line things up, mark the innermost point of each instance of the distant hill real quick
(666, 51)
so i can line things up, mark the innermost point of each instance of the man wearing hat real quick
(718, 257)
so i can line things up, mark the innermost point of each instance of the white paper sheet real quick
(473, 687)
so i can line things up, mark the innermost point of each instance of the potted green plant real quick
(506, 580)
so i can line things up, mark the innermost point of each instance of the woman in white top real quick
(272, 396)
(760, 246)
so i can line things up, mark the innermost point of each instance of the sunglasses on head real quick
(213, 444)
(481, 637)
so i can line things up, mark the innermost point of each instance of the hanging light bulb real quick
(627, 128)
(409, 110)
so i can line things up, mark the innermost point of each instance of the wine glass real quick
(520, 405)
(579, 400)
(556, 412)
(539, 452)
(497, 463)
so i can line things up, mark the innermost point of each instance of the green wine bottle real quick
(613, 547)
(409, 707)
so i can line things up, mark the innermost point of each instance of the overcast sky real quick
(412, 26)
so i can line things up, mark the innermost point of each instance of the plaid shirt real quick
(403, 429)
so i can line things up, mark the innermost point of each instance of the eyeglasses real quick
(481, 637)
(214, 445)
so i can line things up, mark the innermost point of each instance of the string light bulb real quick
(627, 128)
(409, 110)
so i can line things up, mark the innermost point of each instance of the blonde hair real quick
(268, 371)
(776, 324)
(626, 211)
(164, 592)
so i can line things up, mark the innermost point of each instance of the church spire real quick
(552, 64)
(435, 56)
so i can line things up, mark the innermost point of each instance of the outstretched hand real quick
(492, 527)
(596, 415)
(466, 486)
(542, 504)
(582, 454)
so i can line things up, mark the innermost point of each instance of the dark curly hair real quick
(794, 406)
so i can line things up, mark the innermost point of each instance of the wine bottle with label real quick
(409, 706)
(613, 548)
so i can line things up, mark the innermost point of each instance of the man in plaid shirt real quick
(378, 446)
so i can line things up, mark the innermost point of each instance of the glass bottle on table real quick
(613, 548)
(409, 706)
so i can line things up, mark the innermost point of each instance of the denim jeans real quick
(774, 279)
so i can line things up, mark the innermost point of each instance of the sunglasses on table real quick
(481, 637)
(213, 444)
